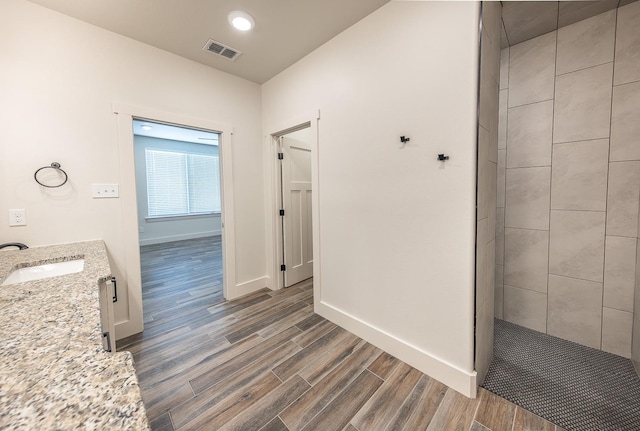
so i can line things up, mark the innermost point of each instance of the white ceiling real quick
(285, 31)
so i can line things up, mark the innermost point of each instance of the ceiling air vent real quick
(221, 50)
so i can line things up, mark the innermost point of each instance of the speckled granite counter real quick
(54, 373)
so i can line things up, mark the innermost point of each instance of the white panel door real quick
(296, 197)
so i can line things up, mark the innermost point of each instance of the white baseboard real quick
(457, 379)
(250, 286)
(161, 239)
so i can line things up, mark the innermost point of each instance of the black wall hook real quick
(442, 157)
(404, 139)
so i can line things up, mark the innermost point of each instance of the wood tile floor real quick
(267, 362)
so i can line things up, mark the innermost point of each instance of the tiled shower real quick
(568, 180)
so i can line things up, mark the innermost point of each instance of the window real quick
(181, 184)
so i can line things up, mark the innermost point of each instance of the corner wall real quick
(396, 227)
(486, 191)
(569, 181)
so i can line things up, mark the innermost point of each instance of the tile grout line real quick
(582, 140)
(504, 180)
(553, 126)
(584, 68)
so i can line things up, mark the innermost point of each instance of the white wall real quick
(156, 231)
(396, 227)
(58, 81)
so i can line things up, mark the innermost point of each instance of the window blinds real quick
(180, 184)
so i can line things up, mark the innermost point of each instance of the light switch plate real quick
(105, 191)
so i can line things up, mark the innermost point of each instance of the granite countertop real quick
(54, 373)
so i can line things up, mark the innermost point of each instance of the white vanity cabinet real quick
(108, 295)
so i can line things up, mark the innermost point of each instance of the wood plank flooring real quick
(267, 362)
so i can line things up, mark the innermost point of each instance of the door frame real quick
(130, 236)
(273, 201)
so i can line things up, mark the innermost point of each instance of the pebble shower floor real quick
(573, 386)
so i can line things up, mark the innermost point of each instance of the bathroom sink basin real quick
(48, 270)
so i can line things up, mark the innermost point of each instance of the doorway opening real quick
(179, 200)
(294, 203)
(129, 311)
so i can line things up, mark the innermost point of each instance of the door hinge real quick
(283, 267)
(280, 156)
(281, 212)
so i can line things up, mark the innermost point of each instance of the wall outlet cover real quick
(17, 217)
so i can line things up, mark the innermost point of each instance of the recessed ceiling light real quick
(241, 20)
(146, 127)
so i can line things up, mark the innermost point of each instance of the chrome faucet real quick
(20, 245)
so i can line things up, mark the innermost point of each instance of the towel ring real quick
(56, 166)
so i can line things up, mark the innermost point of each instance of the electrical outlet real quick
(104, 191)
(17, 217)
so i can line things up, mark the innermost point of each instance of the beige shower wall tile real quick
(527, 197)
(504, 68)
(526, 258)
(503, 110)
(575, 310)
(491, 28)
(491, 273)
(500, 236)
(616, 332)
(529, 135)
(628, 44)
(499, 292)
(493, 137)
(582, 107)
(623, 199)
(576, 244)
(482, 260)
(532, 70)
(484, 339)
(636, 295)
(625, 122)
(635, 345)
(491, 184)
(502, 160)
(619, 272)
(484, 167)
(488, 98)
(525, 308)
(579, 175)
(586, 43)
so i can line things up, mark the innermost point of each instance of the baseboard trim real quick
(250, 286)
(171, 238)
(457, 379)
